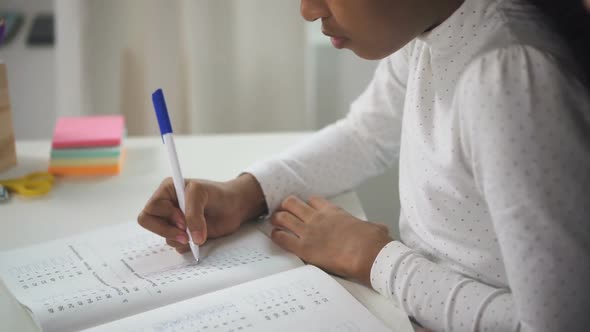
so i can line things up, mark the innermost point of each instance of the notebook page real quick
(304, 299)
(91, 279)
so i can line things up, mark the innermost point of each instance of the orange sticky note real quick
(108, 169)
(90, 131)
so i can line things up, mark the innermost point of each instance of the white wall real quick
(226, 65)
(250, 72)
(31, 75)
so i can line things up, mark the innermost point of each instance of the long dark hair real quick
(572, 21)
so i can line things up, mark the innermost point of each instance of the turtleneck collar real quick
(460, 27)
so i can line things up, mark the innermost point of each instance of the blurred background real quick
(227, 66)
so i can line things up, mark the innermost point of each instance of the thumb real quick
(196, 198)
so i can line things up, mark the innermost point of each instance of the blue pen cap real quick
(161, 112)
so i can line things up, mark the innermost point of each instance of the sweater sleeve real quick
(529, 144)
(525, 132)
(342, 155)
(438, 297)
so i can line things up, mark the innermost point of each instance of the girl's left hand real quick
(326, 236)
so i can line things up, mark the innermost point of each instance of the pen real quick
(166, 131)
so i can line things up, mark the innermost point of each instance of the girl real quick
(483, 103)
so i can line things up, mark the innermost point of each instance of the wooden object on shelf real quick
(7, 140)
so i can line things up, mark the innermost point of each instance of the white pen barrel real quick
(176, 172)
(179, 185)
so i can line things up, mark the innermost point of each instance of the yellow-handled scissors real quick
(34, 184)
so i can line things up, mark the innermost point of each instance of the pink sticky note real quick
(90, 131)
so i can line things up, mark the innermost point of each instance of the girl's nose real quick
(312, 10)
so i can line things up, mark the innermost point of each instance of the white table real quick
(82, 204)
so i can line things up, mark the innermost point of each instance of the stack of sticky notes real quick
(88, 146)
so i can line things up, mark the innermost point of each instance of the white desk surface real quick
(77, 205)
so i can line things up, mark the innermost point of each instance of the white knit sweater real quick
(492, 132)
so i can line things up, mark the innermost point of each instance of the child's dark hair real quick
(572, 21)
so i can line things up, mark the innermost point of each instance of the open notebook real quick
(128, 279)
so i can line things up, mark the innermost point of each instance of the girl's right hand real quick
(213, 209)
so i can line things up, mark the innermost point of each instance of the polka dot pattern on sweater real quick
(491, 130)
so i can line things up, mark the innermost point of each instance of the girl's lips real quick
(338, 42)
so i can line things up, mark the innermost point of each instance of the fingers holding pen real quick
(198, 197)
(162, 227)
(179, 247)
